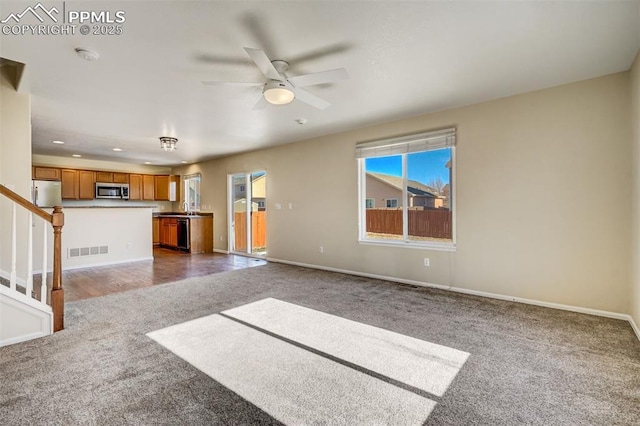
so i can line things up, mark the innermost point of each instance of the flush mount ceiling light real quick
(59, 142)
(76, 155)
(167, 143)
(117, 149)
(278, 92)
(87, 55)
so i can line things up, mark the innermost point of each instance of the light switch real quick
(278, 206)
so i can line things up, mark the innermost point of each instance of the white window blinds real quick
(405, 144)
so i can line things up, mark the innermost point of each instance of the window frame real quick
(373, 203)
(185, 192)
(386, 202)
(405, 243)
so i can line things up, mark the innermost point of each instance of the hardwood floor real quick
(167, 266)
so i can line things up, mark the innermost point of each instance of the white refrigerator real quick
(46, 193)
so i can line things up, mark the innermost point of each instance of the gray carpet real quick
(527, 365)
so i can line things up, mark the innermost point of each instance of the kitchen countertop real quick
(109, 207)
(181, 215)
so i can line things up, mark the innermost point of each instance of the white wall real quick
(15, 162)
(127, 232)
(542, 194)
(634, 300)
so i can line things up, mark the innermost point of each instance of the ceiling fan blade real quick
(264, 63)
(261, 104)
(233, 83)
(311, 99)
(319, 78)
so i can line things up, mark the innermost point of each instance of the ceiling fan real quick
(280, 89)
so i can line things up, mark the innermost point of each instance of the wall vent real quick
(87, 251)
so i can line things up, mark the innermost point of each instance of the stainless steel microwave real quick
(118, 191)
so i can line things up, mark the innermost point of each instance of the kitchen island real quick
(192, 233)
(94, 236)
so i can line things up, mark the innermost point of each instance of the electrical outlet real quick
(290, 206)
(321, 249)
(221, 238)
(426, 262)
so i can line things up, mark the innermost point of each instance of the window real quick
(191, 185)
(392, 203)
(242, 188)
(413, 176)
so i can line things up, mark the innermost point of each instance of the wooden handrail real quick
(56, 219)
(25, 203)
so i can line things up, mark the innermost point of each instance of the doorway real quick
(248, 213)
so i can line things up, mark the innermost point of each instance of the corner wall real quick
(15, 161)
(543, 209)
(634, 300)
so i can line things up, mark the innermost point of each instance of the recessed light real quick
(117, 149)
(77, 155)
(59, 142)
(86, 54)
(147, 162)
(183, 162)
(301, 121)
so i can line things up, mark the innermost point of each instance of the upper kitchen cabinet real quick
(106, 177)
(167, 188)
(70, 184)
(148, 187)
(120, 177)
(162, 188)
(86, 184)
(78, 184)
(112, 177)
(135, 187)
(46, 173)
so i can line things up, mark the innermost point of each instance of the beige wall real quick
(634, 303)
(568, 145)
(15, 162)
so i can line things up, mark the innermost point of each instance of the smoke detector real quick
(87, 55)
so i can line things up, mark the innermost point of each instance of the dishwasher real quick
(183, 234)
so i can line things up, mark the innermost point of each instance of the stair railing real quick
(56, 219)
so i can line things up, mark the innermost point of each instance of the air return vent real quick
(87, 251)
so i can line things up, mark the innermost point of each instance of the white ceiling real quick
(403, 59)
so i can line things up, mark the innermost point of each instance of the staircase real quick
(29, 310)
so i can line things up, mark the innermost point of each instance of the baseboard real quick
(571, 308)
(117, 262)
(221, 251)
(635, 327)
(24, 338)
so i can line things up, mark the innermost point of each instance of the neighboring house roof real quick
(413, 186)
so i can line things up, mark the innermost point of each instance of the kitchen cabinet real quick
(161, 188)
(86, 185)
(200, 233)
(148, 187)
(106, 177)
(120, 177)
(135, 187)
(70, 185)
(46, 173)
(78, 184)
(112, 177)
(167, 188)
(156, 230)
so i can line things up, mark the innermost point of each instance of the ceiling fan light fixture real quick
(167, 143)
(278, 92)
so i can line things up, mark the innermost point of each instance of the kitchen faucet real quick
(185, 206)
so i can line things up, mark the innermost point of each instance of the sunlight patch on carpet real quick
(422, 365)
(289, 383)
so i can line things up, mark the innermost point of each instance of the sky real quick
(423, 166)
